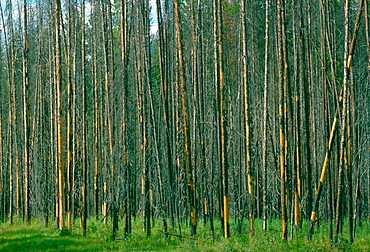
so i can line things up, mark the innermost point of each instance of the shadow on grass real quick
(24, 232)
(26, 241)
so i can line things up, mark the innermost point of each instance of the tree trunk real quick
(186, 129)
(61, 199)
(343, 162)
(246, 114)
(264, 120)
(282, 130)
(84, 156)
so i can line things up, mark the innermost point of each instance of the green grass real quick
(37, 237)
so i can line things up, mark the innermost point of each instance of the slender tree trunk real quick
(84, 156)
(163, 65)
(108, 108)
(264, 133)
(186, 129)
(12, 113)
(70, 121)
(61, 199)
(4, 176)
(282, 139)
(343, 162)
(124, 60)
(26, 115)
(97, 117)
(246, 113)
(298, 78)
(221, 114)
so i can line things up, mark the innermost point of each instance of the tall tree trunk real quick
(108, 108)
(26, 115)
(97, 115)
(12, 113)
(163, 65)
(347, 64)
(58, 90)
(282, 121)
(70, 119)
(246, 113)
(124, 60)
(221, 114)
(84, 156)
(186, 129)
(264, 120)
(3, 180)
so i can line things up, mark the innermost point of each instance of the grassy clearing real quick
(37, 237)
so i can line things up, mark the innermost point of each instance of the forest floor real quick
(37, 237)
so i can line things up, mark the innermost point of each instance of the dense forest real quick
(186, 111)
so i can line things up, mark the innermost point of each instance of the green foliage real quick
(65, 232)
(37, 237)
(232, 9)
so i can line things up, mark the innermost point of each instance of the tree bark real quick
(84, 156)
(246, 114)
(264, 133)
(186, 129)
(60, 165)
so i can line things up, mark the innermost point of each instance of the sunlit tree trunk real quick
(282, 114)
(70, 120)
(221, 114)
(264, 120)
(246, 113)
(58, 114)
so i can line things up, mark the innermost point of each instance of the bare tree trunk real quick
(348, 56)
(247, 123)
(264, 120)
(124, 60)
(12, 113)
(97, 116)
(221, 114)
(70, 121)
(60, 165)
(84, 156)
(163, 65)
(282, 114)
(186, 129)
(26, 116)
(3, 180)
(108, 108)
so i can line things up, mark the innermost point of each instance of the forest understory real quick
(36, 237)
